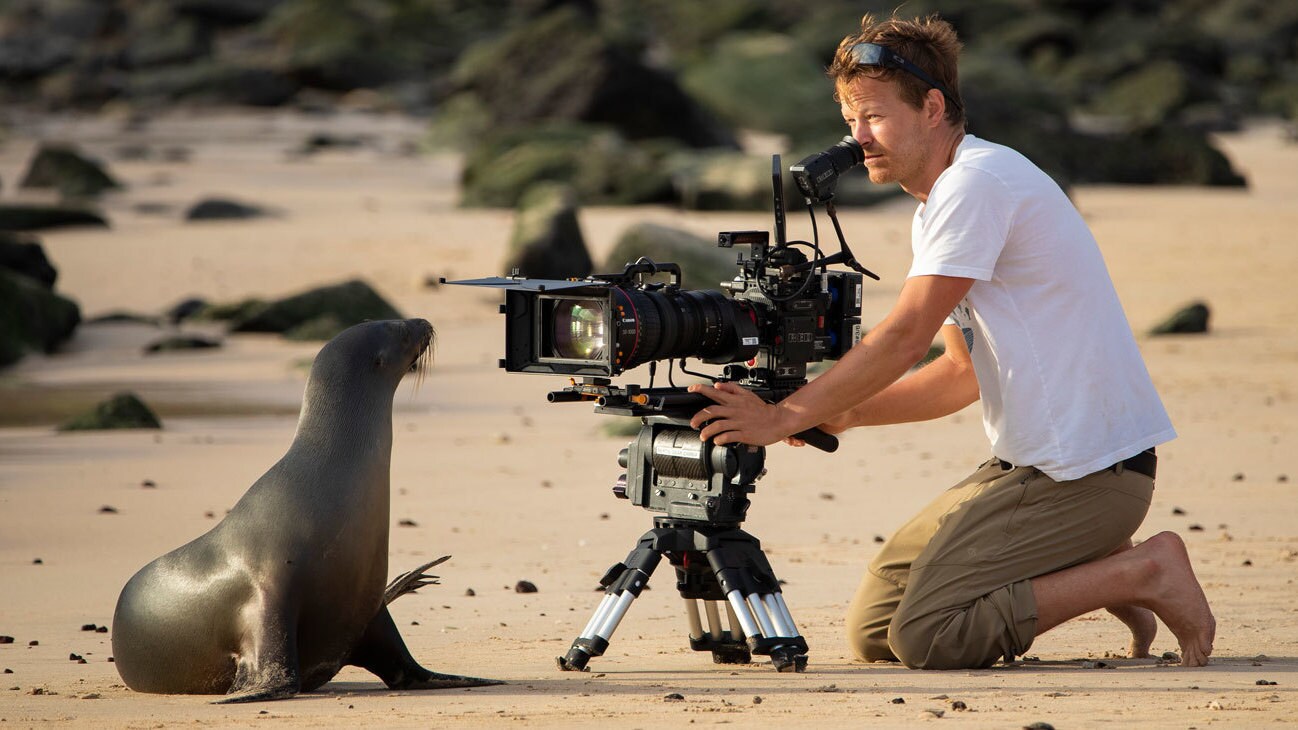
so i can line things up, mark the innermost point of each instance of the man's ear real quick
(934, 107)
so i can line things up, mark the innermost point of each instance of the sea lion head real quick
(373, 355)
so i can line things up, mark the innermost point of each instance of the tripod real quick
(702, 488)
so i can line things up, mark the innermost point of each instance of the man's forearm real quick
(938, 389)
(866, 370)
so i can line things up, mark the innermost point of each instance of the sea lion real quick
(289, 587)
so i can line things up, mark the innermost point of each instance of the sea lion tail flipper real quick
(382, 651)
(411, 581)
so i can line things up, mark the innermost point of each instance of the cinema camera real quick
(783, 310)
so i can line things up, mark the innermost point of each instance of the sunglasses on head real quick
(873, 54)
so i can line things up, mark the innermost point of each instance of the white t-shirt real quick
(1063, 385)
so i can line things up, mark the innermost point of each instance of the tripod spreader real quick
(716, 564)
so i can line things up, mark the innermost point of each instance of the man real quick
(1006, 268)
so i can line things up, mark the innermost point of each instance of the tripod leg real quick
(623, 583)
(754, 596)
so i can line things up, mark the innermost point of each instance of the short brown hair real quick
(928, 42)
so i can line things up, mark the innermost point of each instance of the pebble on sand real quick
(108, 509)
(525, 586)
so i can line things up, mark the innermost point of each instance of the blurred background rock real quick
(633, 101)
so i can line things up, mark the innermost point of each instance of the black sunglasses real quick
(873, 54)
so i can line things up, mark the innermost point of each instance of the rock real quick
(703, 264)
(1191, 319)
(674, 697)
(32, 318)
(520, 81)
(181, 342)
(233, 311)
(185, 309)
(546, 242)
(212, 82)
(766, 81)
(158, 37)
(119, 316)
(525, 586)
(24, 217)
(317, 329)
(351, 302)
(61, 167)
(222, 209)
(123, 410)
(24, 255)
(722, 180)
(599, 164)
(227, 12)
(1147, 96)
(1163, 155)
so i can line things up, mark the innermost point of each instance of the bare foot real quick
(1141, 621)
(1175, 596)
(1143, 625)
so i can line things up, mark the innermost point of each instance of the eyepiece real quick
(817, 175)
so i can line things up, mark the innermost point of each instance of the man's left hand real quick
(737, 416)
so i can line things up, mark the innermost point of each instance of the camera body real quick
(774, 318)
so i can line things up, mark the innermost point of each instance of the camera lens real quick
(662, 325)
(581, 329)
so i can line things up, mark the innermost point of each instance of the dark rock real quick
(766, 81)
(546, 242)
(1039, 726)
(351, 302)
(227, 12)
(1148, 95)
(6, 639)
(174, 343)
(1191, 319)
(87, 627)
(222, 209)
(21, 217)
(235, 311)
(524, 586)
(600, 165)
(317, 329)
(32, 318)
(158, 36)
(24, 255)
(470, 592)
(703, 264)
(321, 141)
(521, 80)
(211, 82)
(61, 167)
(1163, 155)
(674, 697)
(122, 316)
(186, 308)
(722, 180)
(123, 410)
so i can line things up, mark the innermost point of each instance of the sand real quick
(518, 489)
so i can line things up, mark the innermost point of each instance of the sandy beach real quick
(514, 488)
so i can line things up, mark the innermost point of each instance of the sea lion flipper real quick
(267, 665)
(411, 581)
(382, 651)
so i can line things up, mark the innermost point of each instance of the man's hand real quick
(737, 416)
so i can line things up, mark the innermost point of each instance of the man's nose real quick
(861, 133)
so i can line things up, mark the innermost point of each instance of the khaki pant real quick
(952, 588)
